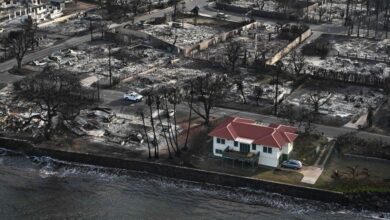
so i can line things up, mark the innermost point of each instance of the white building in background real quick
(247, 141)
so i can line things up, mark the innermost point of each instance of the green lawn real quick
(279, 176)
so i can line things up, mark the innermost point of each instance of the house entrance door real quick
(245, 148)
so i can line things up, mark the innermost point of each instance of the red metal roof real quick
(273, 135)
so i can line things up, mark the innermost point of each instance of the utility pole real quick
(387, 18)
(278, 69)
(91, 30)
(97, 85)
(109, 64)
(183, 6)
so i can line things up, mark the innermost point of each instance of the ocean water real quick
(43, 188)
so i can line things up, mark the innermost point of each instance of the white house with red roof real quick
(245, 140)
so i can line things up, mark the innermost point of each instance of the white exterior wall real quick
(287, 148)
(221, 147)
(266, 159)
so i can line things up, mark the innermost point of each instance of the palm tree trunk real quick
(156, 153)
(176, 133)
(189, 119)
(164, 132)
(146, 134)
(170, 133)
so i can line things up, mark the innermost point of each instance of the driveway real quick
(310, 174)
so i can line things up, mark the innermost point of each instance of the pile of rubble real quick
(15, 115)
(343, 102)
(263, 6)
(174, 33)
(362, 47)
(108, 127)
(68, 28)
(268, 91)
(260, 42)
(162, 77)
(91, 62)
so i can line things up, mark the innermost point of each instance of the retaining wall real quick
(125, 36)
(279, 55)
(222, 37)
(259, 13)
(179, 172)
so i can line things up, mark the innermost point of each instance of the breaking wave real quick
(48, 167)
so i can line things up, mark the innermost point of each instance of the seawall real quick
(179, 172)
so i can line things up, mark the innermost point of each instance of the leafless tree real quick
(283, 5)
(19, 43)
(288, 113)
(208, 90)
(135, 5)
(239, 81)
(305, 119)
(233, 52)
(317, 99)
(298, 62)
(321, 12)
(260, 4)
(258, 93)
(30, 27)
(56, 93)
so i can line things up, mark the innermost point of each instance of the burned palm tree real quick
(171, 136)
(158, 99)
(175, 98)
(190, 97)
(146, 133)
(149, 102)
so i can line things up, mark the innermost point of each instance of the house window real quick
(253, 146)
(267, 150)
(236, 144)
(217, 151)
(222, 141)
(218, 140)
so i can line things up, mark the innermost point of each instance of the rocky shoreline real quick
(373, 201)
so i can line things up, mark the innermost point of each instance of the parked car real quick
(221, 15)
(39, 63)
(292, 164)
(132, 96)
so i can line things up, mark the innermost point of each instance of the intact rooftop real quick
(250, 132)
